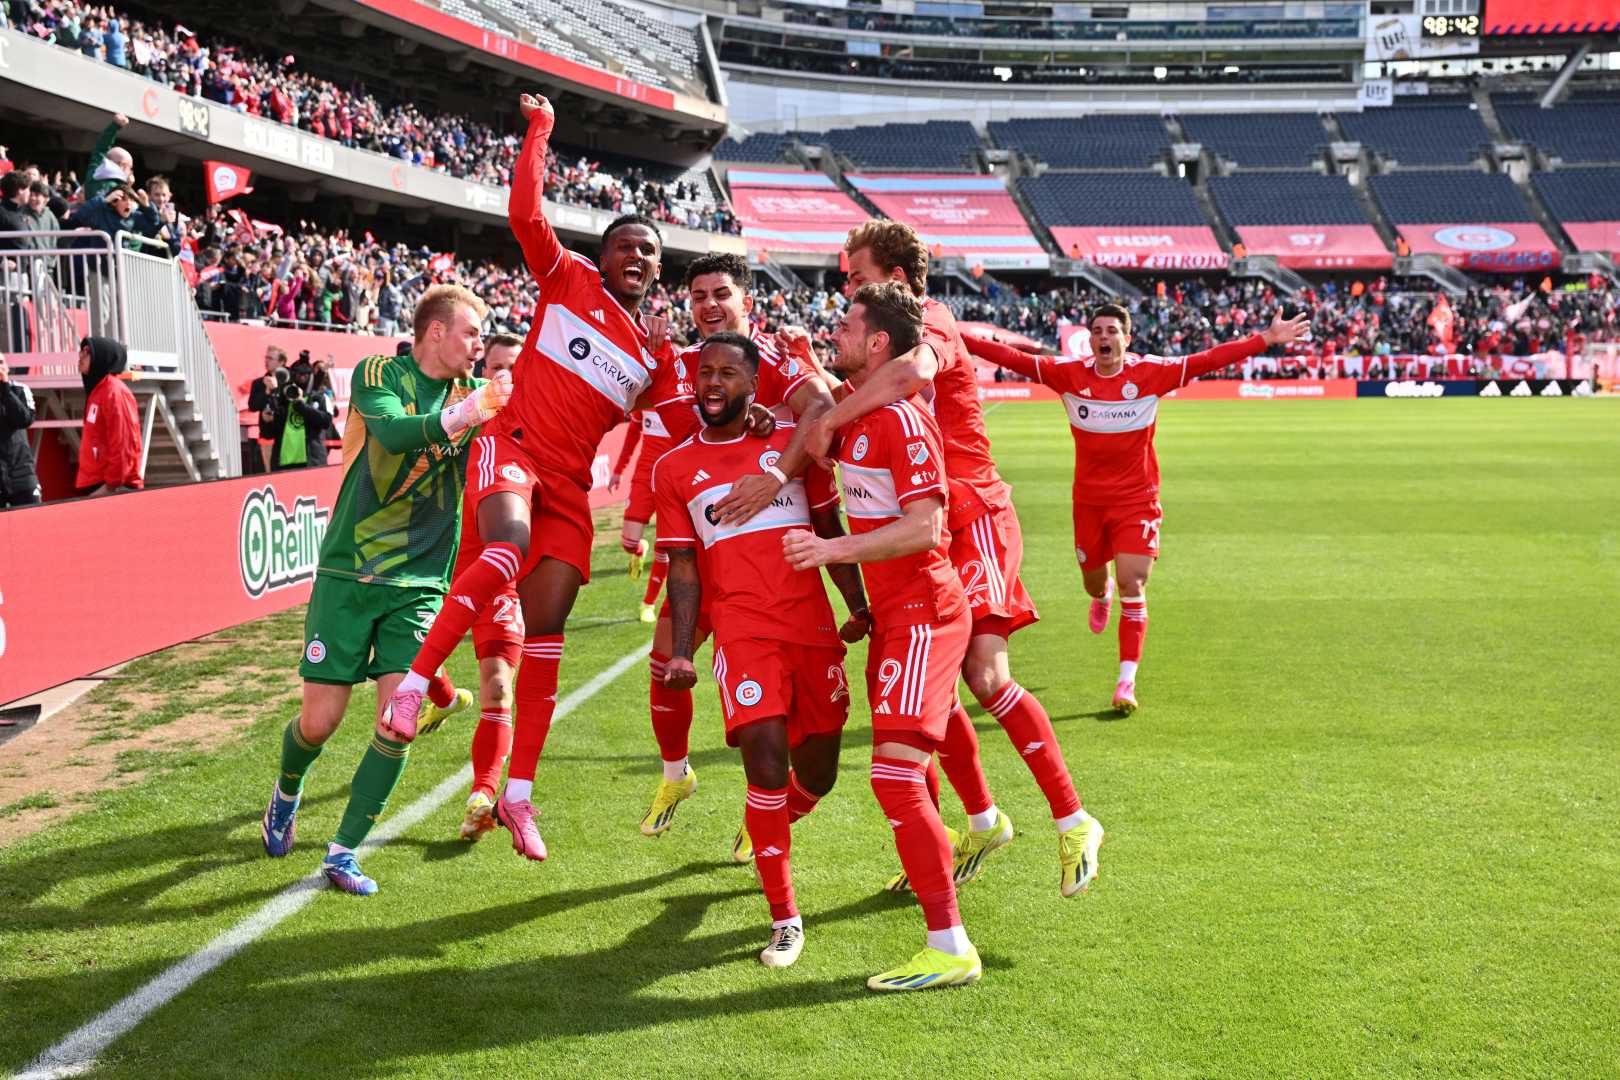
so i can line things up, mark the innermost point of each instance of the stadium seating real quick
(1584, 129)
(1432, 131)
(941, 145)
(1453, 196)
(620, 38)
(1286, 198)
(762, 146)
(1264, 139)
(1118, 141)
(1109, 199)
(1590, 194)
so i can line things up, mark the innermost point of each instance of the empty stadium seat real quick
(1115, 141)
(1590, 194)
(1112, 198)
(1586, 128)
(1259, 138)
(1429, 198)
(1280, 198)
(762, 146)
(942, 145)
(1433, 131)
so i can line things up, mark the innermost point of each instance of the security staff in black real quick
(19, 485)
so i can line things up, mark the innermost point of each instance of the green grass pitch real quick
(1367, 822)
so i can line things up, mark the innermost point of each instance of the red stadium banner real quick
(1131, 247)
(1502, 247)
(788, 210)
(1601, 236)
(188, 561)
(971, 217)
(1319, 247)
(1551, 16)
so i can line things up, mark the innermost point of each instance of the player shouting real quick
(1113, 405)
(384, 563)
(720, 287)
(890, 465)
(777, 655)
(986, 548)
(586, 366)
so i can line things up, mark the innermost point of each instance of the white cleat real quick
(786, 944)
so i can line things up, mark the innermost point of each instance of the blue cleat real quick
(344, 874)
(280, 822)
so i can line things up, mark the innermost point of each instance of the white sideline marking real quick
(76, 1054)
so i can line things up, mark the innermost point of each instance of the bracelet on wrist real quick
(781, 477)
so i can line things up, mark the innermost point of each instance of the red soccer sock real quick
(655, 577)
(959, 757)
(470, 593)
(1132, 628)
(799, 801)
(671, 712)
(536, 701)
(766, 816)
(491, 743)
(1030, 729)
(441, 691)
(919, 836)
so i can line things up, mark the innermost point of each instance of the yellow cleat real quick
(649, 613)
(901, 883)
(480, 817)
(1077, 854)
(432, 717)
(637, 558)
(929, 969)
(971, 850)
(661, 814)
(742, 848)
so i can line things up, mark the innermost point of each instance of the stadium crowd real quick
(271, 87)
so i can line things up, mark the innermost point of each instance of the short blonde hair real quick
(439, 304)
(893, 244)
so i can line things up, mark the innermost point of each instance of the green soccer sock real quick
(297, 755)
(374, 781)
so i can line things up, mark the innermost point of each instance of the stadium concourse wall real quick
(187, 561)
(66, 90)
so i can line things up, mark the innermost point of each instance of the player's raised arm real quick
(1003, 355)
(1280, 332)
(543, 252)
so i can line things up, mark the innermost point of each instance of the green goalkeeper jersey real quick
(398, 515)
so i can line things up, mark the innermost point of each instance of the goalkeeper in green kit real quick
(385, 563)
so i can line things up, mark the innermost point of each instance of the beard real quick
(733, 409)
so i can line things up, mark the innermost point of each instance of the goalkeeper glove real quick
(479, 406)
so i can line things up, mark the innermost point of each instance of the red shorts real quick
(911, 674)
(987, 552)
(1102, 532)
(640, 507)
(560, 525)
(760, 678)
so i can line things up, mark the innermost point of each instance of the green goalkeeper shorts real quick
(354, 631)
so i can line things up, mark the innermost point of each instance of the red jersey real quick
(585, 363)
(975, 486)
(886, 459)
(110, 445)
(779, 377)
(1113, 417)
(749, 590)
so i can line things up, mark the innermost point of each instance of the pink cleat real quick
(399, 718)
(518, 819)
(1125, 696)
(1101, 608)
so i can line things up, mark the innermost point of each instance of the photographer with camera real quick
(300, 420)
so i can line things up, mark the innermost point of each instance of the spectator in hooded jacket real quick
(19, 484)
(110, 448)
(110, 166)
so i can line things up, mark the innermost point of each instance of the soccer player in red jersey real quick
(1113, 404)
(638, 511)
(891, 469)
(586, 367)
(778, 659)
(987, 548)
(721, 296)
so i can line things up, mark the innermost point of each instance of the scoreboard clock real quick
(1450, 27)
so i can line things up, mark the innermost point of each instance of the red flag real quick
(244, 227)
(442, 264)
(226, 181)
(188, 260)
(268, 228)
(1441, 321)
